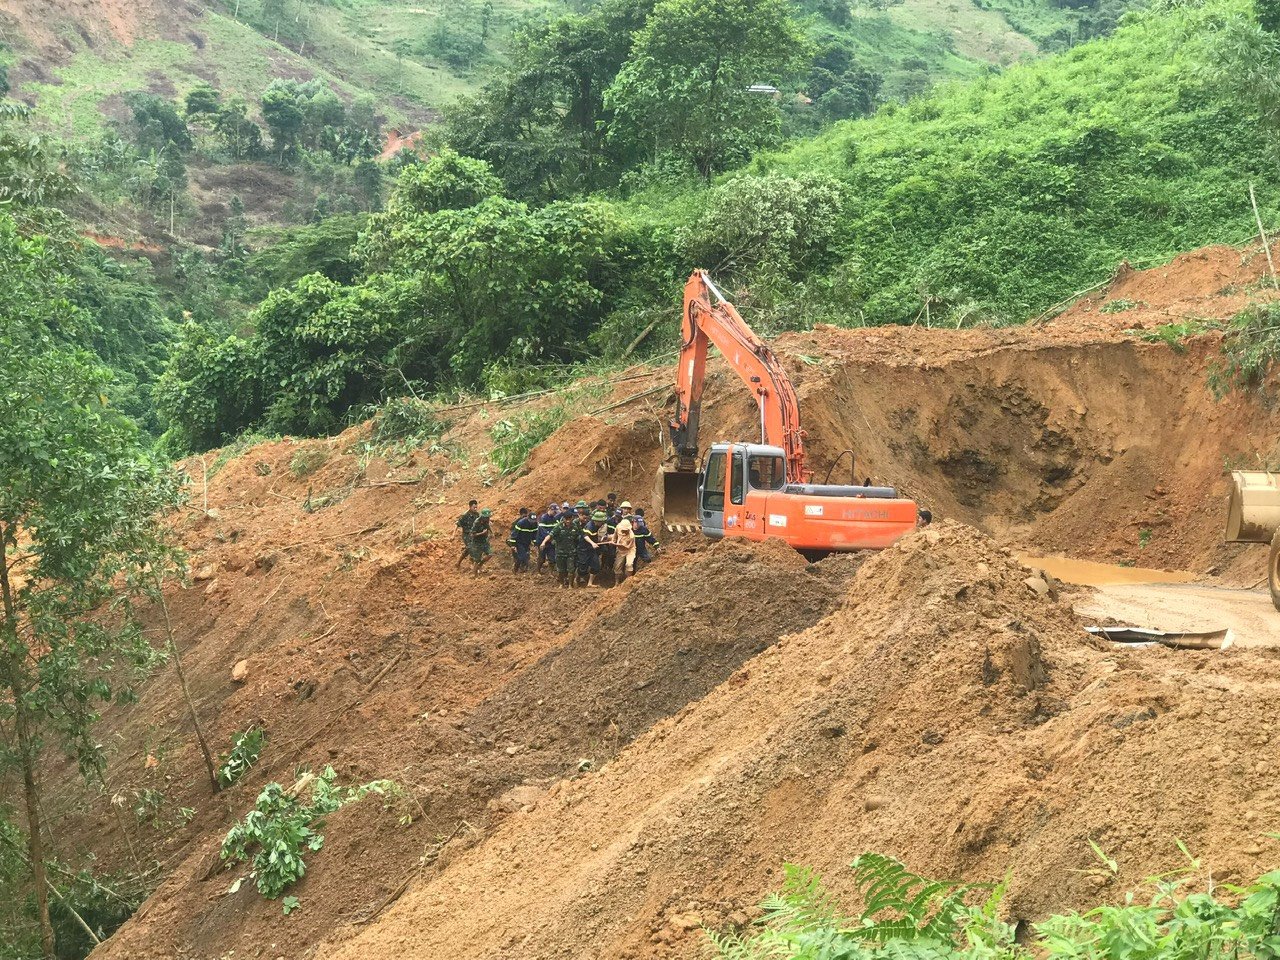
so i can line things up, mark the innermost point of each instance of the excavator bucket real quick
(676, 498)
(1253, 512)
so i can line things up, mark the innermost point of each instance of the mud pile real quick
(632, 656)
(644, 653)
(946, 713)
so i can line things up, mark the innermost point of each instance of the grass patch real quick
(236, 448)
(1172, 334)
(515, 437)
(307, 461)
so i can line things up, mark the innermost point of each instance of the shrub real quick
(515, 438)
(406, 420)
(307, 461)
(246, 748)
(907, 917)
(786, 224)
(1251, 348)
(282, 827)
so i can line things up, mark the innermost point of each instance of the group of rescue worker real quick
(578, 542)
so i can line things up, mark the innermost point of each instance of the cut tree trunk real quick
(186, 691)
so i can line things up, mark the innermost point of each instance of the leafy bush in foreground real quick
(283, 826)
(906, 917)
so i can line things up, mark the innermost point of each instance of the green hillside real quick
(412, 58)
(416, 56)
(996, 198)
(986, 202)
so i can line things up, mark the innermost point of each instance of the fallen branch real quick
(635, 396)
(271, 597)
(336, 536)
(1266, 245)
(631, 347)
(428, 859)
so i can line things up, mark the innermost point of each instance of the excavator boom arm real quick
(710, 318)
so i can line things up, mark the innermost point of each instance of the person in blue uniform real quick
(546, 543)
(646, 542)
(523, 534)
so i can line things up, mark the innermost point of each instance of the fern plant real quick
(906, 917)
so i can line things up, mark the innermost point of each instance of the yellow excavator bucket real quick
(1253, 513)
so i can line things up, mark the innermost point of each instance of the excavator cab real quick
(692, 501)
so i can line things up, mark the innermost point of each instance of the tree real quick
(448, 181)
(684, 87)
(508, 281)
(544, 126)
(157, 124)
(30, 177)
(241, 135)
(368, 178)
(284, 115)
(210, 390)
(272, 12)
(79, 530)
(776, 224)
(322, 111)
(202, 101)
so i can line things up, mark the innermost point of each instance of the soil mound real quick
(647, 651)
(624, 659)
(947, 713)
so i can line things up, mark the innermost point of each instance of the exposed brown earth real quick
(595, 772)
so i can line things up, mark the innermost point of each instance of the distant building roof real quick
(763, 88)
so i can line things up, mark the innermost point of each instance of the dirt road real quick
(1248, 614)
(1166, 600)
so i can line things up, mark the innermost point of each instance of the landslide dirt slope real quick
(328, 567)
(943, 714)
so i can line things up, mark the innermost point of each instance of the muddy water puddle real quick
(1087, 573)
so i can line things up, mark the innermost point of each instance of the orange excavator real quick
(759, 490)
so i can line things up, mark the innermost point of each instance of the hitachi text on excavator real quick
(759, 490)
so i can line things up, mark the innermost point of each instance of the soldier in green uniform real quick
(481, 549)
(564, 534)
(464, 525)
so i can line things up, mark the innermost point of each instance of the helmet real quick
(554, 506)
(625, 505)
(581, 505)
(565, 505)
(486, 512)
(599, 515)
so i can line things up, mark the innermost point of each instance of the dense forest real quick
(551, 215)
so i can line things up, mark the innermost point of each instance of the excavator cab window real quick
(735, 479)
(767, 473)
(713, 484)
